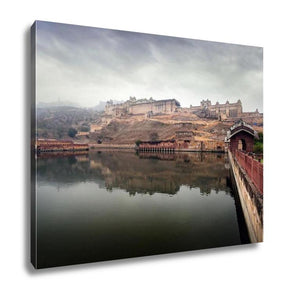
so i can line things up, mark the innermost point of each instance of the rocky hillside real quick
(55, 122)
(125, 132)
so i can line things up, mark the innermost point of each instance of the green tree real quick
(72, 132)
(260, 137)
(258, 148)
(258, 143)
(138, 142)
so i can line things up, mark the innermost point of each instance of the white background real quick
(247, 272)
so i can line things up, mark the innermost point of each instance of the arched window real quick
(242, 145)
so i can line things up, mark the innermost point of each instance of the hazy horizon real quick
(87, 65)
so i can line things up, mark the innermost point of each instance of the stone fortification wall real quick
(161, 106)
(142, 106)
(255, 114)
(251, 200)
(217, 111)
(148, 107)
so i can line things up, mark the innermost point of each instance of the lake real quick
(105, 205)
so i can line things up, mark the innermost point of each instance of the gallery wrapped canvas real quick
(142, 144)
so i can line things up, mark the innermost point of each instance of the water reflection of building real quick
(157, 155)
(82, 158)
(98, 165)
(144, 173)
(54, 154)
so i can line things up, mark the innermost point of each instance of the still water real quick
(107, 205)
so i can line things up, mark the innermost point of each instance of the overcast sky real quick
(87, 65)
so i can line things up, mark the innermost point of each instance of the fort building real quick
(150, 107)
(218, 111)
(141, 107)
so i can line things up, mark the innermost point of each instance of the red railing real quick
(253, 168)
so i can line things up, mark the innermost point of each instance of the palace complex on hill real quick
(151, 107)
(141, 107)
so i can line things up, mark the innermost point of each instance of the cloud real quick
(87, 65)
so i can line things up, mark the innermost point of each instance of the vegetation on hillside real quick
(258, 144)
(138, 142)
(56, 122)
(72, 132)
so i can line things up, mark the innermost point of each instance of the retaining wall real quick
(251, 200)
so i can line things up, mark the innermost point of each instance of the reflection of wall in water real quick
(201, 170)
(165, 173)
